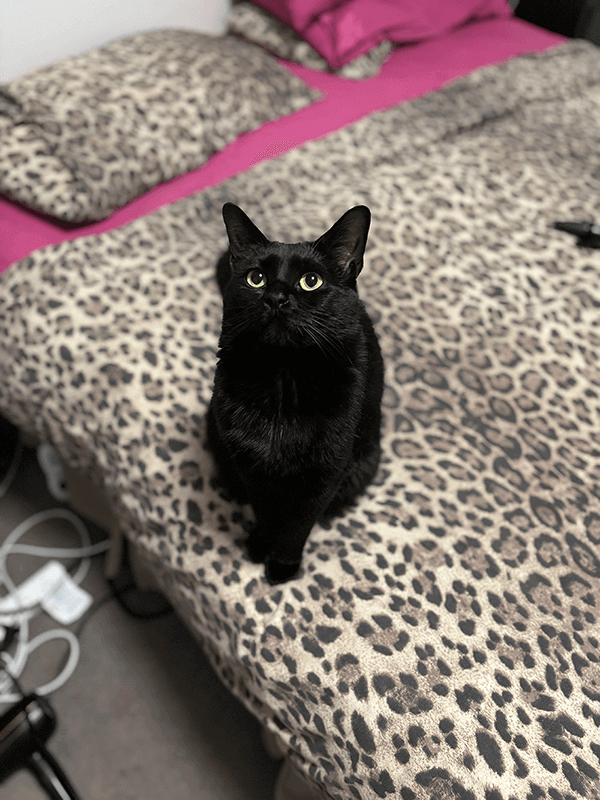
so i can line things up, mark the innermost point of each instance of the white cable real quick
(10, 544)
(52, 467)
(69, 669)
(10, 697)
(15, 664)
(43, 516)
(62, 552)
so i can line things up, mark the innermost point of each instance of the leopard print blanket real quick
(442, 640)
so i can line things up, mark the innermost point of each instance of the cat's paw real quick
(280, 571)
(256, 549)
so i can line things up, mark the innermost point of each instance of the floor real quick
(143, 717)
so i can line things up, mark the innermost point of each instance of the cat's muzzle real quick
(279, 330)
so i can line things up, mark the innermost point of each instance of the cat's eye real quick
(311, 281)
(256, 279)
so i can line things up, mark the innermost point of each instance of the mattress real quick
(409, 72)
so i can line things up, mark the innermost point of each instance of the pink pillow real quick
(343, 31)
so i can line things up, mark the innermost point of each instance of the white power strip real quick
(52, 588)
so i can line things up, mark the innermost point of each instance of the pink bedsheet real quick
(411, 71)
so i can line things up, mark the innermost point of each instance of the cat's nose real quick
(277, 298)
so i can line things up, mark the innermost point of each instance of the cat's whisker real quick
(320, 324)
(314, 339)
(239, 321)
(328, 346)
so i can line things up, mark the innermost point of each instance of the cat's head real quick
(298, 295)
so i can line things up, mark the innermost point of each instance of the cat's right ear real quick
(241, 231)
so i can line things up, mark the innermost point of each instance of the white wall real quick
(36, 32)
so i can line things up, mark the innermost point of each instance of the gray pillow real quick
(86, 135)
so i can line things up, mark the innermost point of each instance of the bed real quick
(442, 638)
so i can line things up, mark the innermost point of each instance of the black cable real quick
(50, 775)
(16, 683)
(9, 637)
(120, 593)
(124, 585)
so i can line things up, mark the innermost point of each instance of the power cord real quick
(19, 615)
(139, 604)
(15, 664)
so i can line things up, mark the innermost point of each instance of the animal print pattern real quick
(442, 639)
(84, 136)
(258, 26)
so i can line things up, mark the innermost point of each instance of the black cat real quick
(295, 415)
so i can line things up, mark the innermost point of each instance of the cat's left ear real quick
(346, 240)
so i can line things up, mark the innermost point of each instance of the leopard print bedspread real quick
(442, 640)
(82, 137)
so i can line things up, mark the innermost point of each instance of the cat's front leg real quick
(278, 544)
(285, 511)
(280, 571)
(257, 546)
(279, 566)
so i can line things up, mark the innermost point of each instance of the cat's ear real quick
(346, 240)
(241, 231)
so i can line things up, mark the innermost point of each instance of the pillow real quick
(343, 31)
(262, 28)
(86, 135)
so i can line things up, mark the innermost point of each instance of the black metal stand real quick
(24, 731)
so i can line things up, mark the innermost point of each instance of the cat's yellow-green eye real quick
(256, 279)
(311, 281)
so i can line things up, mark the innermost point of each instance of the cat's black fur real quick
(295, 415)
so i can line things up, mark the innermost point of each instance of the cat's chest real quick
(284, 411)
(287, 386)
(289, 393)
(285, 417)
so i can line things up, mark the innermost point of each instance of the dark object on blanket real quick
(295, 414)
(560, 16)
(588, 234)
